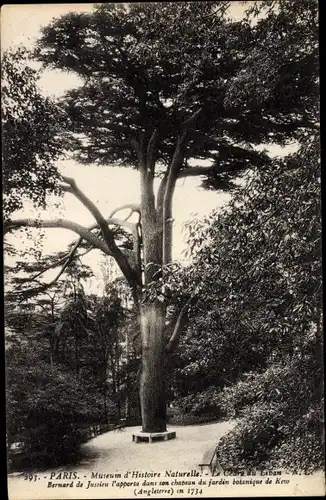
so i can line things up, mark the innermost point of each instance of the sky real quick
(107, 186)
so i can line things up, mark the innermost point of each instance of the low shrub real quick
(48, 413)
(281, 419)
(204, 406)
(182, 419)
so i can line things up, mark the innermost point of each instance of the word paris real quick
(128, 474)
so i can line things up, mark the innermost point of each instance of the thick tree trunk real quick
(152, 315)
(152, 383)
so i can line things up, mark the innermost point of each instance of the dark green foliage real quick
(30, 125)
(47, 408)
(149, 67)
(178, 416)
(257, 329)
(201, 405)
(67, 371)
(281, 424)
(279, 74)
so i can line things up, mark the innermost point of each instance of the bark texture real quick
(152, 382)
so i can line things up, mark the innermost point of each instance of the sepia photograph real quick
(162, 234)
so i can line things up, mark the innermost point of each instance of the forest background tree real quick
(66, 367)
(165, 85)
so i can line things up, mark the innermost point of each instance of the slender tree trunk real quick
(127, 402)
(114, 385)
(76, 355)
(117, 372)
(105, 408)
(51, 343)
(52, 334)
(152, 382)
(104, 389)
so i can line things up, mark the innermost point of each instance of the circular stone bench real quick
(150, 437)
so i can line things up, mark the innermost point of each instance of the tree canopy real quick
(30, 139)
(147, 68)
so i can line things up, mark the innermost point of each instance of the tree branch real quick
(74, 189)
(102, 223)
(120, 222)
(196, 171)
(135, 207)
(179, 326)
(122, 261)
(160, 194)
(44, 286)
(64, 261)
(72, 252)
(53, 265)
(152, 151)
(191, 121)
(116, 222)
(172, 176)
(91, 238)
(137, 248)
(67, 262)
(139, 153)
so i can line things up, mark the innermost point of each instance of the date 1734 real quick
(194, 491)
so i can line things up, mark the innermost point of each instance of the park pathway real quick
(114, 455)
(111, 461)
(114, 451)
